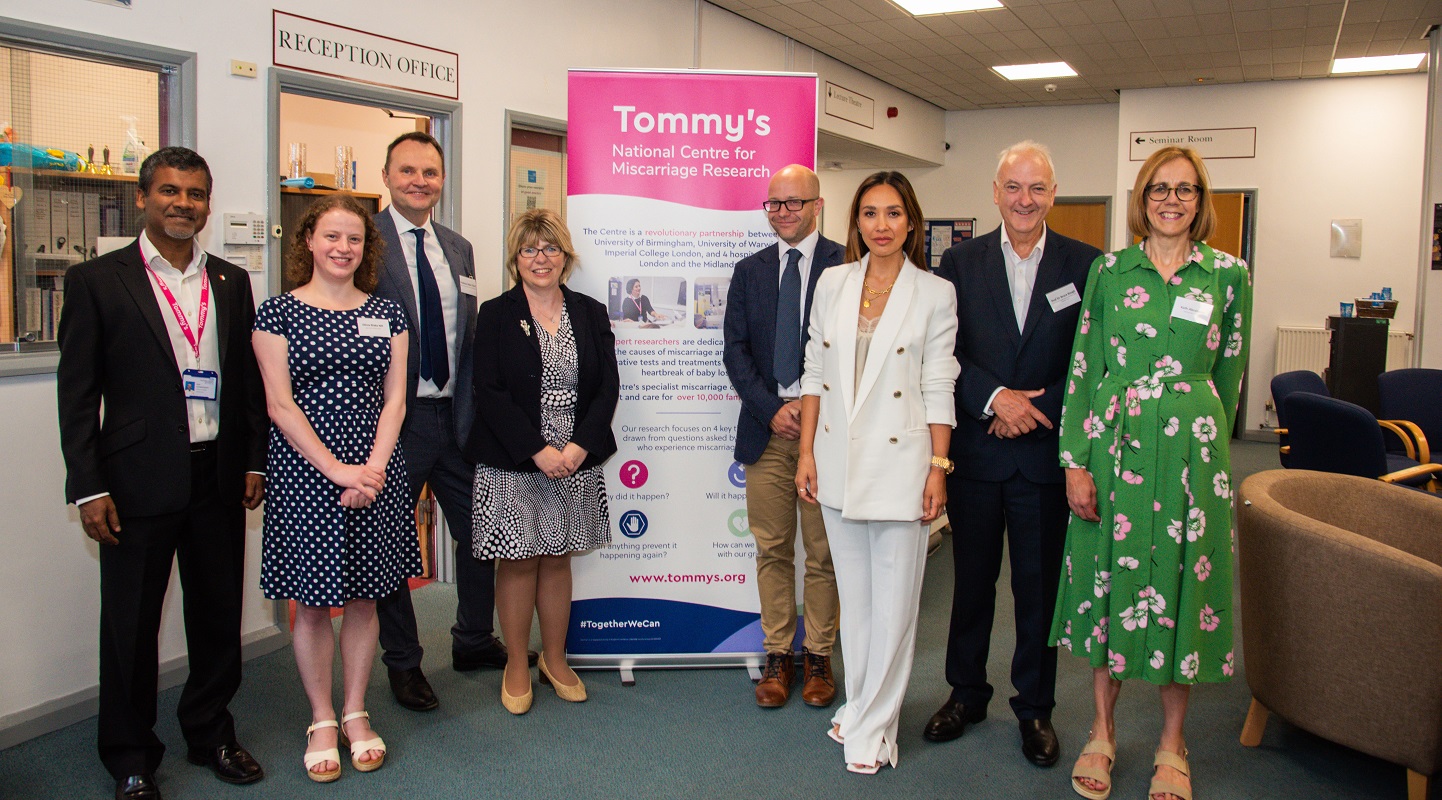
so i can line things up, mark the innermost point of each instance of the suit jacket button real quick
(826, 386)
(900, 350)
(896, 393)
(892, 440)
(826, 428)
(180, 429)
(825, 342)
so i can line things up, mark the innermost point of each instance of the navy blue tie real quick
(788, 322)
(435, 367)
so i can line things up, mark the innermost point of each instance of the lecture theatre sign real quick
(320, 47)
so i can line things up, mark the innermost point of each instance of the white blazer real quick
(873, 443)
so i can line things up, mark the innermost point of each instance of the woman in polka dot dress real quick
(338, 531)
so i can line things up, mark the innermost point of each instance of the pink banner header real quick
(708, 140)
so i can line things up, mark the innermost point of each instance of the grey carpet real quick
(698, 734)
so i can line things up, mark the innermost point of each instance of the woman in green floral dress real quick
(1146, 590)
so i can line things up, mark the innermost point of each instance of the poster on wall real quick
(666, 173)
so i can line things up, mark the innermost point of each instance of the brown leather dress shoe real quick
(775, 686)
(819, 690)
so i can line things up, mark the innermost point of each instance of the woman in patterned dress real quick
(546, 387)
(338, 530)
(1160, 349)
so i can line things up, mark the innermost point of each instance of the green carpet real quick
(698, 734)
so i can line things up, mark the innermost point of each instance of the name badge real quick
(370, 326)
(1065, 297)
(468, 285)
(200, 384)
(1192, 310)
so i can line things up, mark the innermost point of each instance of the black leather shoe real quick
(137, 787)
(1038, 742)
(950, 721)
(412, 690)
(230, 762)
(492, 657)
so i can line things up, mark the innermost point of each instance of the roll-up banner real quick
(666, 173)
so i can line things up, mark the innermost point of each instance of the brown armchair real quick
(1341, 581)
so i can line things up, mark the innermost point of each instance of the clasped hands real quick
(1014, 415)
(361, 483)
(560, 463)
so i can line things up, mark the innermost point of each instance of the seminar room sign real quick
(320, 47)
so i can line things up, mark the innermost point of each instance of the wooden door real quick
(1231, 222)
(1083, 220)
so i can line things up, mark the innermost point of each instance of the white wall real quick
(52, 571)
(1431, 281)
(1334, 148)
(1081, 139)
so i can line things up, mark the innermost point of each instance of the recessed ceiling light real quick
(1344, 66)
(1026, 72)
(921, 8)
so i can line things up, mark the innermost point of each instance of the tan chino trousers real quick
(771, 505)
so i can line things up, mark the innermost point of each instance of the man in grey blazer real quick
(429, 269)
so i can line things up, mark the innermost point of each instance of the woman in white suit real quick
(876, 420)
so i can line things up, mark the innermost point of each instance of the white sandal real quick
(357, 749)
(321, 756)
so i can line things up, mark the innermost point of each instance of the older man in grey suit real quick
(430, 271)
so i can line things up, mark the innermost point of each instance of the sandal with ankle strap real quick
(357, 749)
(322, 756)
(1166, 758)
(1099, 747)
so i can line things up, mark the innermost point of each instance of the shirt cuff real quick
(255, 472)
(82, 501)
(986, 412)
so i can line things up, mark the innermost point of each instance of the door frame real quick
(445, 126)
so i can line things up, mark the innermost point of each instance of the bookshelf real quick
(53, 225)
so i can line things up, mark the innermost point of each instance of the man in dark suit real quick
(157, 334)
(767, 311)
(429, 269)
(1018, 293)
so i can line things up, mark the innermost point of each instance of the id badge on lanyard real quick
(199, 384)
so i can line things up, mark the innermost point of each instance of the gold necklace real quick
(865, 303)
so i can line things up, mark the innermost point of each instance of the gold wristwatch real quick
(946, 464)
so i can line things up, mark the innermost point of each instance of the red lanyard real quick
(192, 338)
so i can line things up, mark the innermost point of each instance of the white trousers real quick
(879, 566)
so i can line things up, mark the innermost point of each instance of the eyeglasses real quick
(550, 250)
(794, 204)
(1184, 191)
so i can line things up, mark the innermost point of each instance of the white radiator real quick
(1310, 349)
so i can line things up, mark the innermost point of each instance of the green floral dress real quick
(1149, 411)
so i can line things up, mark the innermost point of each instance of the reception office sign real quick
(666, 175)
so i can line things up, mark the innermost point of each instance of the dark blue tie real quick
(788, 321)
(435, 367)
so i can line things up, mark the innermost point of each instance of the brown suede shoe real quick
(820, 687)
(775, 686)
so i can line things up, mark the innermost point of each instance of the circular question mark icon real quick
(634, 474)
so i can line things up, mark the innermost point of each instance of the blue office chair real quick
(1414, 396)
(1283, 386)
(1331, 435)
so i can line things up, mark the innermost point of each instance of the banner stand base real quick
(626, 665)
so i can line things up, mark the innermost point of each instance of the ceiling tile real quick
(1329, 14)
(1101, 11)
(1294, 17)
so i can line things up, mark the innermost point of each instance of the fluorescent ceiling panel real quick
(1344, 66)
(921, 8)
(1026, 72)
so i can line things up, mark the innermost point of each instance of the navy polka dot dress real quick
(314, 550)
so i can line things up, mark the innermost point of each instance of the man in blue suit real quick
(1018, 293)
(768, 308)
